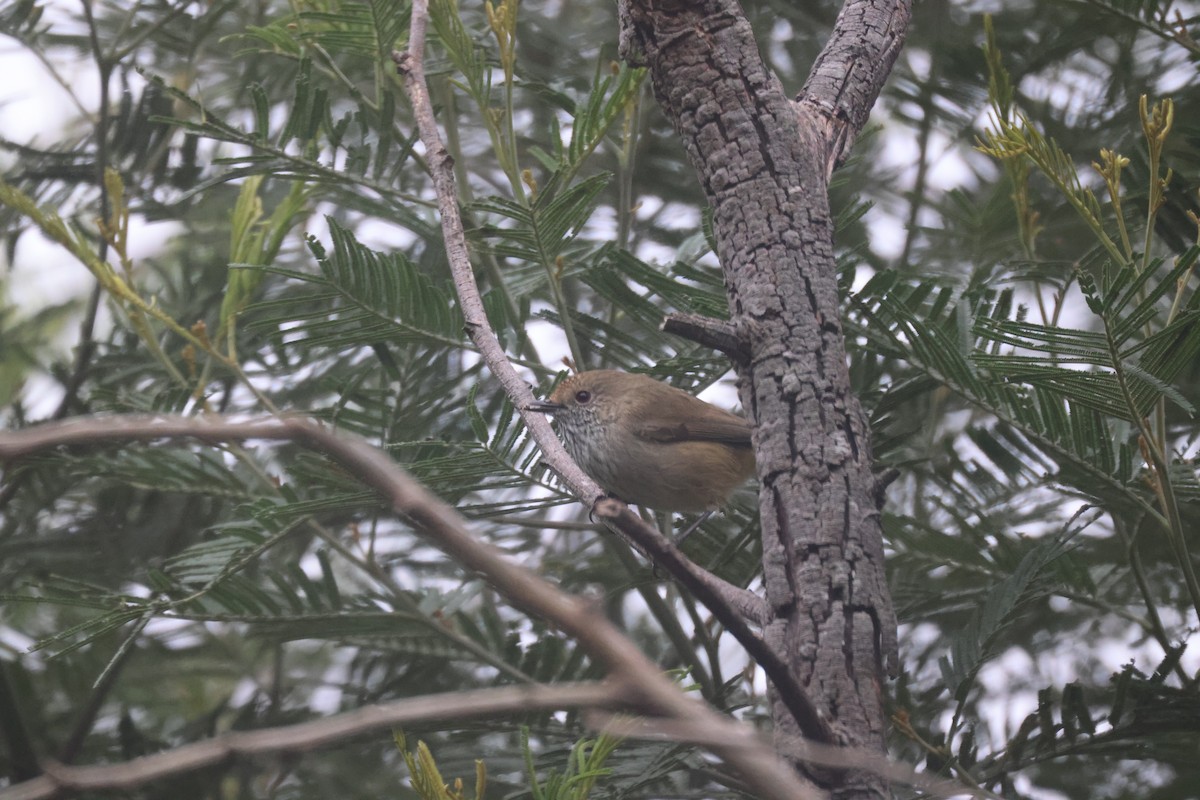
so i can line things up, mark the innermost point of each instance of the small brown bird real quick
(649, 443)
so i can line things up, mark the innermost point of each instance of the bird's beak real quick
(545, 406)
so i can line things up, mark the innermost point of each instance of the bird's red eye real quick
(582, 397)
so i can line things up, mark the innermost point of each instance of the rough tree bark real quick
(764, 162)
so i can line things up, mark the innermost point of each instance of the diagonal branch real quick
(60, 779)
(642, 685)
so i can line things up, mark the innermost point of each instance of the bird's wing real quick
(711, 425)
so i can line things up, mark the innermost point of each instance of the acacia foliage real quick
(1026, 352)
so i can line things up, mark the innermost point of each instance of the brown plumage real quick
(649, 443)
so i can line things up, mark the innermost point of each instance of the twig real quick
(541, 523)
(715, 596)
(60, 779)
(715, 333)
(89, 710)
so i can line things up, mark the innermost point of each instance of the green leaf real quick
(969, 650)
(541, 232)
(360, 298)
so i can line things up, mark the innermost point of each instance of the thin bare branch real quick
(643, 686)
(61, 779)
(806, 713)
(715, 333)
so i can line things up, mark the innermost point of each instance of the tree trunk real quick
(764, 163)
